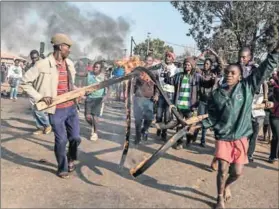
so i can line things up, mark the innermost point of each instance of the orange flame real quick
(131, 63)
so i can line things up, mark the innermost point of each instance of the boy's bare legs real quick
(235, 171)
(223, 169)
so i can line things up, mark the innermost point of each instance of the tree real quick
(157, 48)
(230, 25)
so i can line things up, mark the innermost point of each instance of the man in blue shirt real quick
(119, 87)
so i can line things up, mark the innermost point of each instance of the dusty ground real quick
(181, 179)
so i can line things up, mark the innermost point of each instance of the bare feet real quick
(220, 202)
(227, 194)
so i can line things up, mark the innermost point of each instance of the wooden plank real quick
(82, 91)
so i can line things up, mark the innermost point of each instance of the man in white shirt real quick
(14, 76)
(163, 110)
(248, 67)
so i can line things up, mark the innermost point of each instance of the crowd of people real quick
(226, 93)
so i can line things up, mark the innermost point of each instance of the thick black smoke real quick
(93, 33)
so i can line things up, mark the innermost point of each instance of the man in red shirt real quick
(50, 77)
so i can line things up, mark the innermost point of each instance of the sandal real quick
(71, 167)
(63, 175)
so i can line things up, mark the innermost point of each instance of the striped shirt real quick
(63, 87)
(184, 94)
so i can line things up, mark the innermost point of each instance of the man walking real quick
(248, 67)
(94, 100)
(50, 77)
(41, 117)
(14, 76)
(163, 110)
(145, 95)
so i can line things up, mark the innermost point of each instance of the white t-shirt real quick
(258, 99)
(173, 70)
(14, 72)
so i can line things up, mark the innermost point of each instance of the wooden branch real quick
(147, 163)
(129, 93)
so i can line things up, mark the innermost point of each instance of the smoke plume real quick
(25, 24)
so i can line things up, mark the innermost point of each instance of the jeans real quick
(274, 148)
(202, 109)
(3, 77)
(41, 118)
(257, 124)
(65, 125)
(14, 90)
(143, 113)
(162, 110)
(120, 89)
(186, 114)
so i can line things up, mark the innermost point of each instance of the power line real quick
(184, 46)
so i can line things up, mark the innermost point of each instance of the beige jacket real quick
(42, 80)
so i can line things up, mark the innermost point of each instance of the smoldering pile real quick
(25, 24)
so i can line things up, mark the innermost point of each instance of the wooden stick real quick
(81, 91)
(145, 164)
(128, 124)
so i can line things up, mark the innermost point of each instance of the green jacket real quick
(230, 113)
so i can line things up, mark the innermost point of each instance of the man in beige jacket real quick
(50, 77)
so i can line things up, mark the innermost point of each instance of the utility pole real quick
(125, 52)
(148, 42)
(131, 49)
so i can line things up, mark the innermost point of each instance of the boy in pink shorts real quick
(229, 110)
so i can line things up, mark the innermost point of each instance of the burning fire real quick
(131, 63)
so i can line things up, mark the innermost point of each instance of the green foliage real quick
(230, 25)
(157, 48)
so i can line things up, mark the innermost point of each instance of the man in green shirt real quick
(95, 99)
(186, 86)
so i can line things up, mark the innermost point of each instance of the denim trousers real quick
(257, 124)
(41, 118)
(14, 89)
(202, 109)
(65, 125)
(143, 113)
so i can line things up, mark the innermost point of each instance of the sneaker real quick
(251, 159)
(145, 136)
(272, 160)
(202, 144)
(38, 132)
(94, 137)
(15, 98)
(11, 98)
(47, 130)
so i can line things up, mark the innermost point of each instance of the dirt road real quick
(181, 179)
